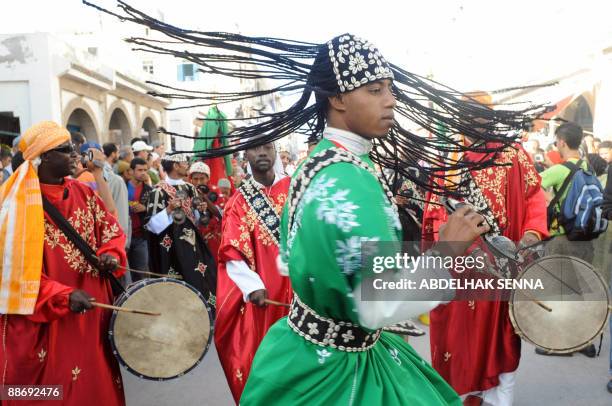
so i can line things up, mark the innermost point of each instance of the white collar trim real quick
(174, 182)
(354, 143)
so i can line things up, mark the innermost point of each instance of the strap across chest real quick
(268, 218)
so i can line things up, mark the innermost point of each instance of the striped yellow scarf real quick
(22, 222)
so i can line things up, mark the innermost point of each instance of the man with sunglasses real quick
(54, 336)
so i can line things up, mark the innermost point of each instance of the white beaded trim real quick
(249, 187)
(355, 47)
(332, 330)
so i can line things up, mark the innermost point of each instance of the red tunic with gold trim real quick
(55, 346)
(241, 326)
(472, 342)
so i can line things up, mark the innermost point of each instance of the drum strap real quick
(79, 242)
(475, 198)
(269, 220)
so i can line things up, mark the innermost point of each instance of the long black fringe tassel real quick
(438, 110)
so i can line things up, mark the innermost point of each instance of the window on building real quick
(147, 66)
(187, 72)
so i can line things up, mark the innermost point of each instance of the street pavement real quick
(541, 381)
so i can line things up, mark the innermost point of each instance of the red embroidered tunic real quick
(241, 326)
(55, 346)
(472, 342)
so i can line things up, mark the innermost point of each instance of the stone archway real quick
(119, 128)
(149, 129)
(79, 117)
(80, 121)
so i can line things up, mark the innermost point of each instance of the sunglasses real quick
(68, 149)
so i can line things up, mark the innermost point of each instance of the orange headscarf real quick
(480, 97)
(22, 227)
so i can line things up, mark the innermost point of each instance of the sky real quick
(468, 45)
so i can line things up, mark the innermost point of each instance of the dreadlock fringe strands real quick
(318, 71)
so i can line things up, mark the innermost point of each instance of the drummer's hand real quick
(79, 301)
(461, 229)
(258, 297)
(107, 262)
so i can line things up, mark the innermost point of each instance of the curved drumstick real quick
(275, 303)
(150, 273)
(125, 268)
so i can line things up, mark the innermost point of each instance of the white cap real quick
(176, 157)
(141, 146)
(199, 167)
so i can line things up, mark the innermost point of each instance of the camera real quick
(204, 216)
(89, 156)
(86, 157)
(205, 190)
(178, 214)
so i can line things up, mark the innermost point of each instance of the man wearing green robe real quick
(331, 349)
(311, 357)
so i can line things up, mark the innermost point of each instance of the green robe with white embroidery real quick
(342, 206)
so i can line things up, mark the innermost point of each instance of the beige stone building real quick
(44, 78)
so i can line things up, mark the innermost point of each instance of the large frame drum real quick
(578, 297)
(161, 347)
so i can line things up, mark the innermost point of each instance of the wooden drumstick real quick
(527, 295)
(536, 301)
(125, 268)
(275, 303)
(123, 309)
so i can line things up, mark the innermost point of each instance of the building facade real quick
(43, 77)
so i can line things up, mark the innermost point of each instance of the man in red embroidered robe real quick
(473, 344)
(247, 267)
(64, 341)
